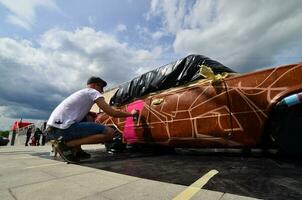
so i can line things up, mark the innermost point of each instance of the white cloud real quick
(23, 13)
(240, 34)
(12, 19)
(37, 78)
(121, 27)
(172, 13)
(157, 35)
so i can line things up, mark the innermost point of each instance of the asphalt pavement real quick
(31, 173)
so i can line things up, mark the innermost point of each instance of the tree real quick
(4, 133)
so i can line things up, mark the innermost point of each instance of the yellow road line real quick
(45, 165)
(196, 186)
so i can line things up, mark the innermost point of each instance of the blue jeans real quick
(75, 131)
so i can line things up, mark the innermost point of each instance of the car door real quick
(196, 111)
(210, 111)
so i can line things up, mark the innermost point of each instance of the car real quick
(197, 102)
(3, 141)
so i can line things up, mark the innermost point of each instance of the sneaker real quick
(82, 155)
(67, 153)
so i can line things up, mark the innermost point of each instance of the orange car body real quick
(231, 112)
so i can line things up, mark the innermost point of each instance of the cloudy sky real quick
(49, 48)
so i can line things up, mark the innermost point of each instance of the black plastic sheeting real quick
(174, 74)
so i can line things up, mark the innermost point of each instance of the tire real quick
(286, 129)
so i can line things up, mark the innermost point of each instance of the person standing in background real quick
(43, 128)
(28, 134)
(37, 136)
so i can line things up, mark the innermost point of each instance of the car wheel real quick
(286, 129)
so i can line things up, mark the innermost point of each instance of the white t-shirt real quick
(74, 108)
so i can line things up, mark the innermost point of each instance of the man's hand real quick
(135, 113)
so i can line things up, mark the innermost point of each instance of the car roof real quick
(174, 74)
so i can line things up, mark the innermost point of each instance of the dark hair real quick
(94, 79)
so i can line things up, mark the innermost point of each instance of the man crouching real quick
(67, 127)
